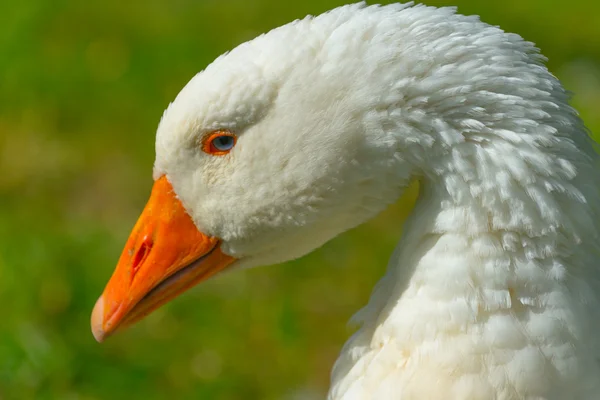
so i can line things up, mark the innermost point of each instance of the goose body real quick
(491, 293)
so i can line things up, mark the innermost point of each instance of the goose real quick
(313, 128)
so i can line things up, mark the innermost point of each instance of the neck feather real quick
(492, 291)
(476, 313)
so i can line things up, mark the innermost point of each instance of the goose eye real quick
(219, 143)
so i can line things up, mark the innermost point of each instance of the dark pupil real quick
(223, 142)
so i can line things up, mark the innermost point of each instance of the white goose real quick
(312, 129)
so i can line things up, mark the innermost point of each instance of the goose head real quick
(315, 127)
(267, 154)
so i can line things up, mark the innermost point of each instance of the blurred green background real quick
(82, 87)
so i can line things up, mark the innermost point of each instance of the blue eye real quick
(223, 143)
(219, 143)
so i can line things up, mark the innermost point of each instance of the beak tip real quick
(97, 320)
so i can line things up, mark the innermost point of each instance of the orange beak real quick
(164, 256)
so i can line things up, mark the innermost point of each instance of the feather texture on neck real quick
(492, 291)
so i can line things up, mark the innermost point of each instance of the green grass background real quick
(82, 87)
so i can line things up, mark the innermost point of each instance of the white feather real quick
(492, 293)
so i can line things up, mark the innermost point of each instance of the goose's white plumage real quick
(492, 292)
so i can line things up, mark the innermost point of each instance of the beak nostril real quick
(141, 254)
